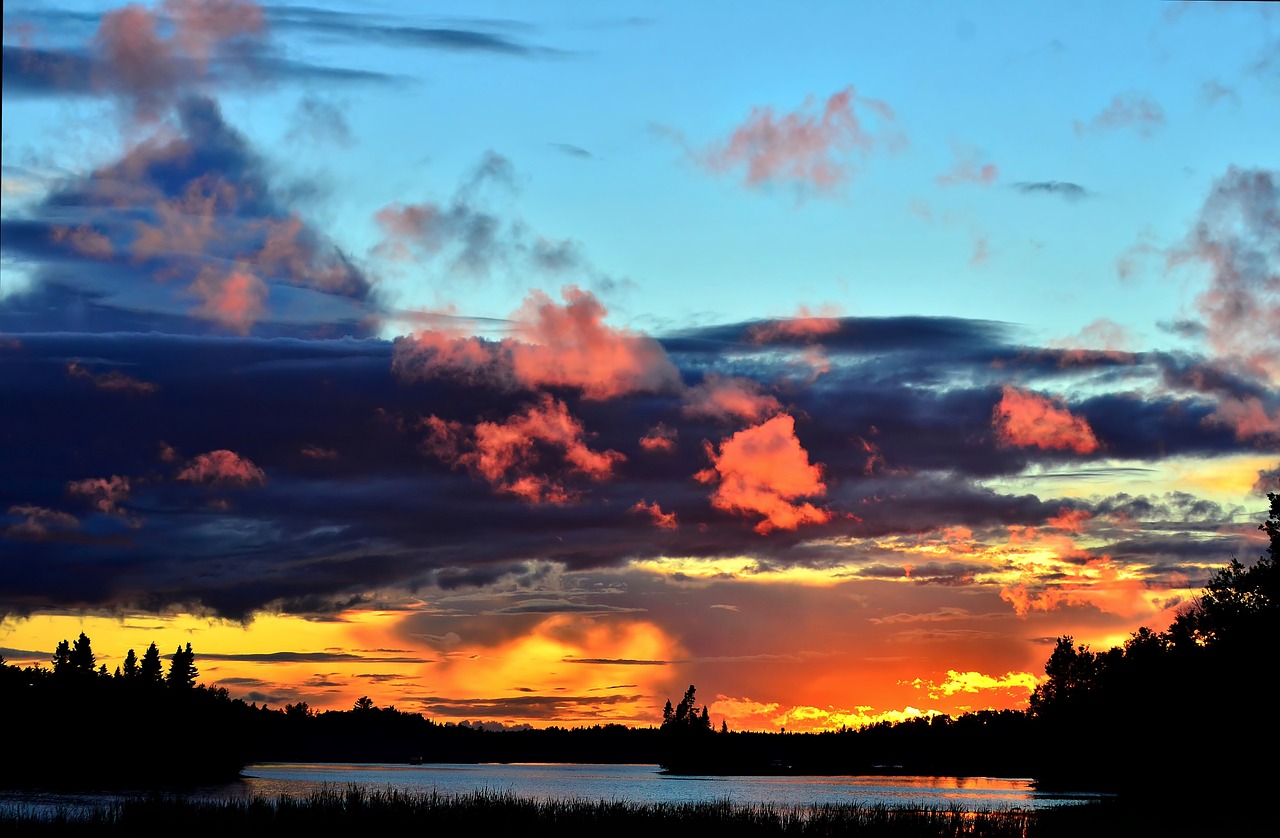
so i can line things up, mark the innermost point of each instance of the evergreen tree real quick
(131, 670)
(182, 669)
(62, 658)
(150, 671)
(82, 660)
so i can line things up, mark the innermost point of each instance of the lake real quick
(634, 783)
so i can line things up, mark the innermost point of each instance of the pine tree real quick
(82, 660)
(62, 658)
(150, 671)
(130, 671)
(182, 669)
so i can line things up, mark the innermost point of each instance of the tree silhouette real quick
(131, 670)
(182, 669)
(363, 704)
(82, 660)
(150, 670)
(62, 659)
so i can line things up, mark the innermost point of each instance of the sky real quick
(523, 364)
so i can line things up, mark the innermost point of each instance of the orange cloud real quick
(506, 454)
(729, 398)
(803, 326)
(1070, 520)
(234, 299)
(761, 471)
(222, 468)
(570, 346)
(659, 438)
(103, 493)
(555, 345)
(113, 380)
(1028, 420)
(802, 147)
(661, 520)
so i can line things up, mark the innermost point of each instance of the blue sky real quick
(603, 345)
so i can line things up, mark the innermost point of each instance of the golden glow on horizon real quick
(742, 568)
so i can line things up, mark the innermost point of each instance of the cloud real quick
(661, 520)
(1237, 238)
(729, 398)
(509, 454)
(38, 522)
(111, 381)
(1025, 419)
(805, 326)
(1268, 481)
(761, 471)
(659, 438)
(968, 168)
(553, 345)
(191, 202)
(222, 468)
(808, 147)
(150, 70)
(1126, 110)
(1061, 188)
(104, 494)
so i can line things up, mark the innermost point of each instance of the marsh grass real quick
(487, 812)
(365, 813)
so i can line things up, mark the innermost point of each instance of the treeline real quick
(1188, 707)
(1185, 709)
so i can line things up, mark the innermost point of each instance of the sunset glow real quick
(836, 360)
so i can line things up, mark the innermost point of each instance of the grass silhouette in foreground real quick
(487, 812)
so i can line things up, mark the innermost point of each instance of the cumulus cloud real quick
(1025, 419)
(512, 455)
(102, 493)
(38, 522)
(763, 471)
(661, 520)
(659, 438)
(1237, 238)
(150, 57)
(811, 146)
(553, 345)
(729, 398)
(222, 468)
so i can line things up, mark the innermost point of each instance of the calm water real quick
(636, 783)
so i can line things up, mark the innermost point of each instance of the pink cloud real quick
(112, 380)
(659, 438)
(762, 471)
(804, 326)
(150, 69)
(1237, 237)
(84, 240)
(236, 299)
(969, 168)
(1248, 417)
(103, 493)
(808, 147)
(661, 520)
(222, 468)
(1102, 339)
(39, 523)
(510, 455)
(554, 345)
(1130, 109)
(1028, 420)
(729, 398)
(315, 452)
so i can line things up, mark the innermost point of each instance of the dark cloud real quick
(1061, 188)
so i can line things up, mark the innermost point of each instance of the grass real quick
(484, 812)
